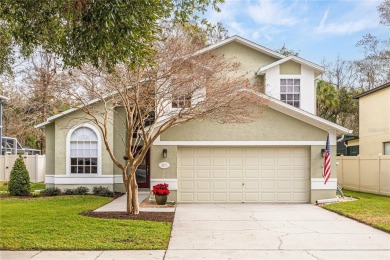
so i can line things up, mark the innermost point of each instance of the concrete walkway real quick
(119, 204)
(277, 231)
(83, 255)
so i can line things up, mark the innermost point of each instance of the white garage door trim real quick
(244, 174)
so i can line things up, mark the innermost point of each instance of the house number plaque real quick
(164, 165)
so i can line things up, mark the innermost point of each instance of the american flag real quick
(326, 173)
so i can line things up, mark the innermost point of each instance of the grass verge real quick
(370, 209)
(54, 223)
(33, 186)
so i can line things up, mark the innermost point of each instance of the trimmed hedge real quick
(102, 191)
(19, 183)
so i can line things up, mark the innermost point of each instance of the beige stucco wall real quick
(50, 148)
(374, 122)
(119, 138)
(290, 68)
(62, 127)
(250, 59)
(271, 126)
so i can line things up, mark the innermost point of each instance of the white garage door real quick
(243, 174)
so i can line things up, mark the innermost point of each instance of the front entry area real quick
(244, 174)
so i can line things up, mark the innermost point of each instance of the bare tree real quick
(35, 96)
(183, 85)
(384, 12)
(340, 73)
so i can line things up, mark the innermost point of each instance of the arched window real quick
(84, 151)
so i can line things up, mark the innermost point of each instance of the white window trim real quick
(289, 76)
(99, 163)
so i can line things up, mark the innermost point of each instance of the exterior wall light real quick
(165, 153)
(323, 152)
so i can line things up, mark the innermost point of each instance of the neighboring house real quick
(3, 99)
(277, 158)
(374, 121)
(348, 145)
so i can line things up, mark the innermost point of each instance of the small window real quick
(181, 101)
(83, 151)
(386, 149)
(290, 91)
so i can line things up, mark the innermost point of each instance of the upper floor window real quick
(83, 151)
(181, 100)
(290, 91)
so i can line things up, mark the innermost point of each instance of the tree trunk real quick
(134, 189)
(129, 196)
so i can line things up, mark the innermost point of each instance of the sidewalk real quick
(119, 204)
(83, 255)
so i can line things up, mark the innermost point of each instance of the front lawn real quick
(54, 223)
(33, 186)
(371, 209)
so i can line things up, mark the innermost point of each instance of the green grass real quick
(371, 209)
(33, 186)
(54, 223)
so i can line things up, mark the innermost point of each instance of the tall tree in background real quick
(34, 98)
(340, 73)
(384, 12)
(286, 51)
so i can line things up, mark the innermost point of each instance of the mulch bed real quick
(152, 204)
(152, 216)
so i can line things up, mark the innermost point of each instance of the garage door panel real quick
(235, 174)
(271, 161)
(243, 174)
(235, 196)
(219, 161)
(203, 196)
(203, 186)
(220, 197)
(204, 173)
(268, 197)
(203, 161)
(252, 174)
(268, 185)
(187, 173)
(284, 161)
(284, 174)
(222, 173)
(251, 197)
(220, 186)
(236, 161)
(268, 173)
(186, 185)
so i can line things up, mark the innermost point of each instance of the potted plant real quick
(161, 192)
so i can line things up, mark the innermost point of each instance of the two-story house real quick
(374, 121)
(278, 158)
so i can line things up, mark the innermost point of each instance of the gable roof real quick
(386, 85)
(66, 112)
(292, 58)
(245, 42)
(303, 115)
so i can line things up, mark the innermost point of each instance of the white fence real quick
(365, 173)
(36, 166)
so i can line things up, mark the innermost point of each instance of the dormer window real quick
(290, 91)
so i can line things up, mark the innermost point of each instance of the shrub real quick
(52, 191)
(35, 194)
(19, 182)
(102, 191)
(68, 191)
(80, 190)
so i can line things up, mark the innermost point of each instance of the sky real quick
(316, 29)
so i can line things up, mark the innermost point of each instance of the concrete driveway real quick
(263, 231)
